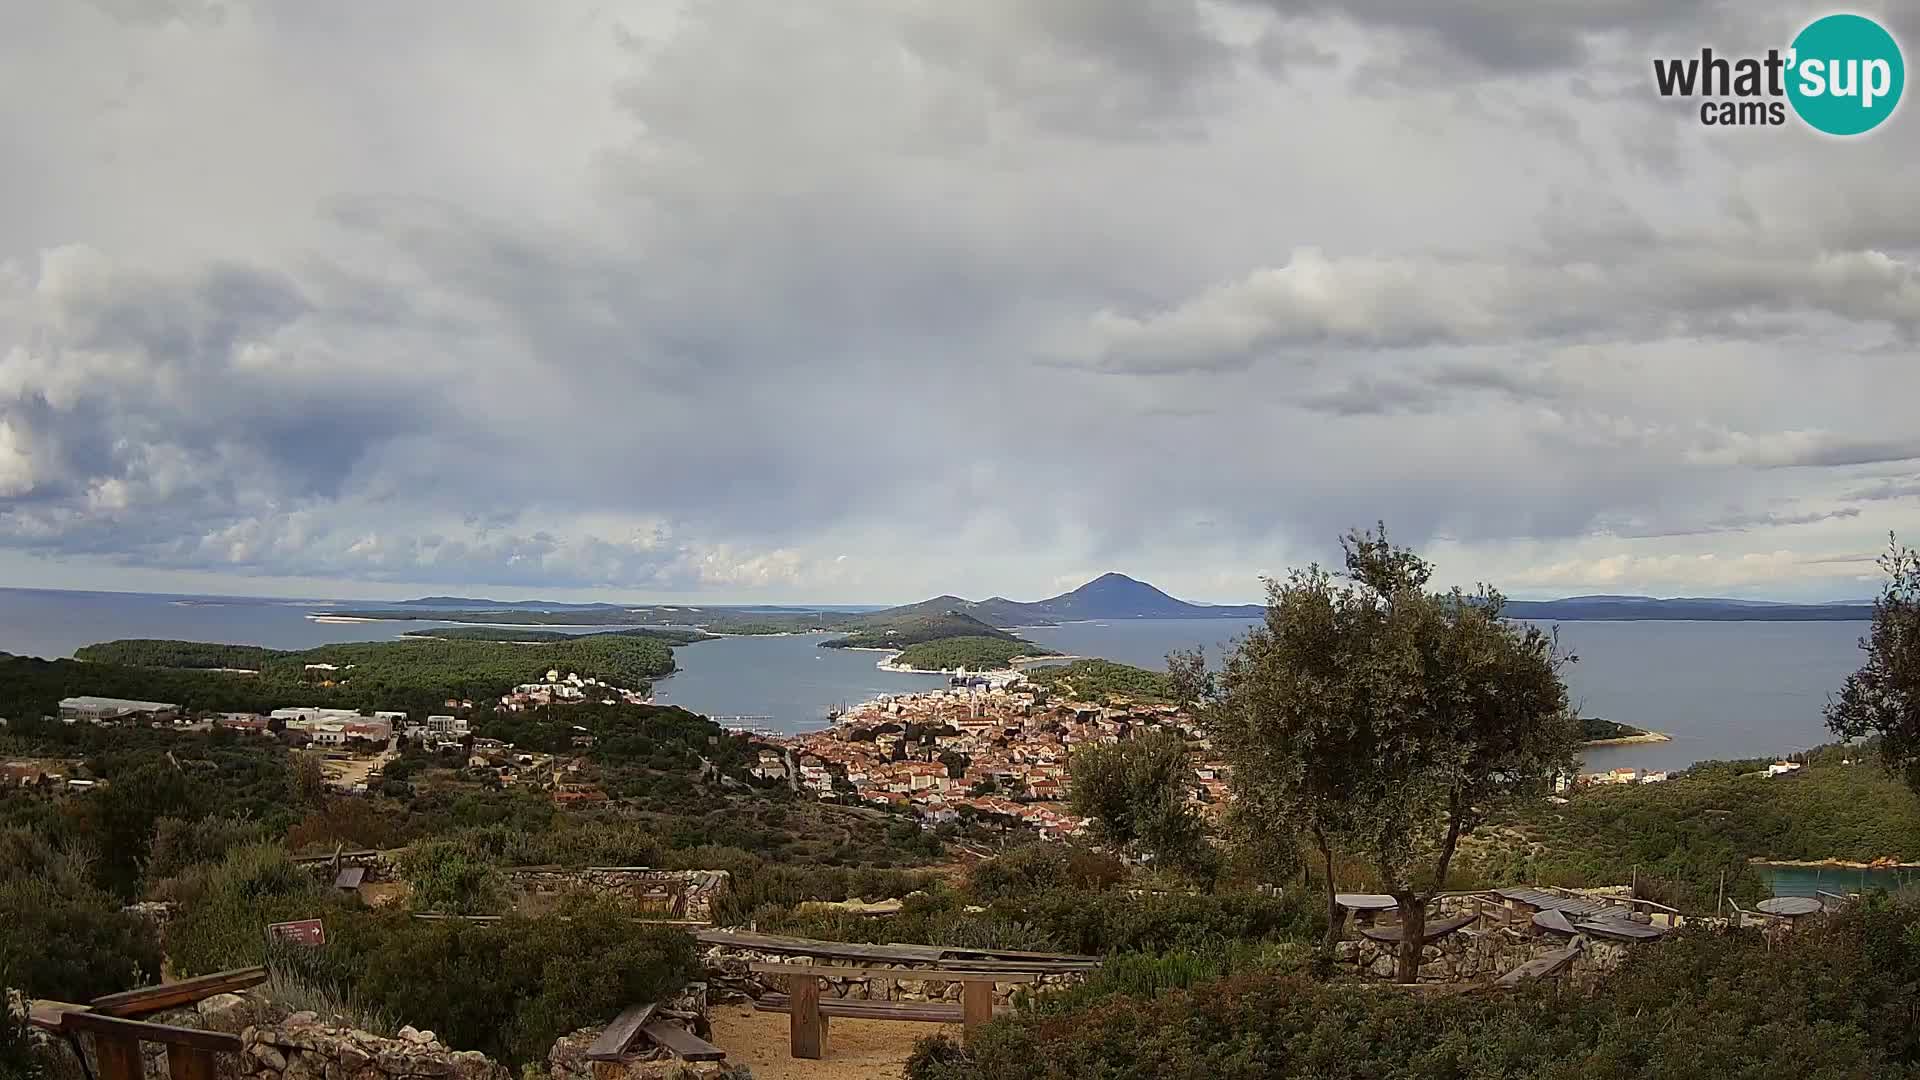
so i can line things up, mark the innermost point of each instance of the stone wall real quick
(677, 894)
(278, 1045)
(304, 1048)
(1479, 956)
(1480, 952)
(730, 978)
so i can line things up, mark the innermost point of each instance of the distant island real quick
(1598, 732)
(1109, 596)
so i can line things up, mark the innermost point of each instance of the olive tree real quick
(1386, 721)
(1883, 697)
(1136, 793)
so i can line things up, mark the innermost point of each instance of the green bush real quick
(60, 936)
(1831, 1001)
(179, 843)
(225, 908)
(454, 876)
(1115, 921)
(1040, 866)
(509, 988)
(1149, 975)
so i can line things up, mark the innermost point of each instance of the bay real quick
(1721, 689)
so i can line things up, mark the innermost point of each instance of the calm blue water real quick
(1720, 689)
(788, 678)
(1807, 880)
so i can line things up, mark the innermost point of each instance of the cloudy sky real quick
(865, 300)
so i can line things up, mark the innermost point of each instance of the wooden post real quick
(806, 1028)
(976, 1003)
(1720, 905)
(187, 1063)
(118, 1057)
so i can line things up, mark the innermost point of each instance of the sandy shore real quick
(346, 619)
(1633, 740)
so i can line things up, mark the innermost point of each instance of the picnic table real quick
(809, 1010)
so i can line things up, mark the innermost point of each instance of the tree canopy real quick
(1387, 720)
(1883, 697)
(1136, 793)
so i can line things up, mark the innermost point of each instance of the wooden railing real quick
(116, 1038)
(116, 1044)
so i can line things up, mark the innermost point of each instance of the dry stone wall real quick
(278, 1045)
(730, 978)
(679, 894)
(1478, 953)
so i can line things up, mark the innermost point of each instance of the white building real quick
(97, 710)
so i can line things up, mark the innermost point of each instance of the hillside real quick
(526, 636)
(1109, 596)
(971, 653)
(1103, 680)
(900, 631)
(411, 674)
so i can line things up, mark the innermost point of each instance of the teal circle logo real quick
(1846, 74)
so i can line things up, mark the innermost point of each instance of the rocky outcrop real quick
(730, 978)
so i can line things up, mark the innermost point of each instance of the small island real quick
(1598, 732)
(948, 655)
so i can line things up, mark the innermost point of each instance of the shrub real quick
(509, 988)
(179, 843)
(226, 907)
(60, 936)
(1828, 1002)
(71, 945)
(1038, 867)
(453, 876)
(1099, 923)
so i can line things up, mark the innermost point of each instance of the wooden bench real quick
(808, 1011)
(637, 1022)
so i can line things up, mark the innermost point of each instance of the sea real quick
(1720, 689)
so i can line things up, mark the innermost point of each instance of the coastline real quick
(1633, 740)
(1013, 666)
(1838, 864)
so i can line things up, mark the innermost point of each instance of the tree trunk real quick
(1335, 917)
(1413, 932)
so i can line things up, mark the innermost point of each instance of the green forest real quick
(413, 674)
(1596, 729)
(1678, 838)
(914, 629)
(524, 634)
(1102, 680)
(972, 653)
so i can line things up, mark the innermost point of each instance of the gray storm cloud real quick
(871, 300)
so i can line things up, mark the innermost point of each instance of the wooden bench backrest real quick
(918, 974)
